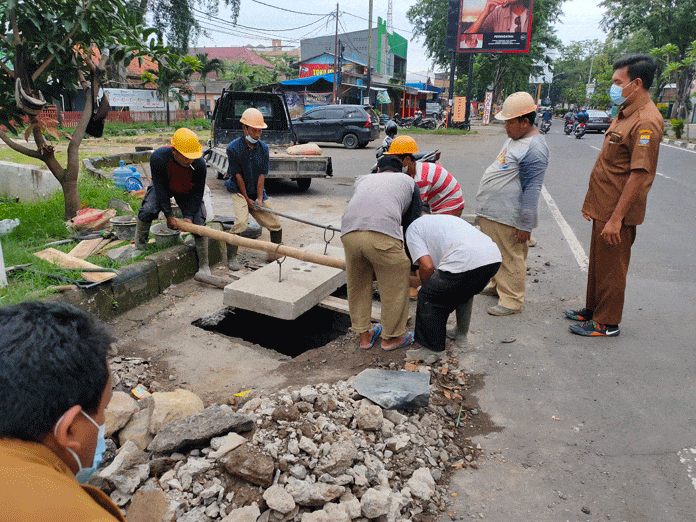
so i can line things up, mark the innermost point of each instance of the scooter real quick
(545, 126)
(568, 127)
(579, 130)
(429, 156)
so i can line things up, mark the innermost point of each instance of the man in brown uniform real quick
(616, 199)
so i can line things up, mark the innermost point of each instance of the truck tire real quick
(303, 183)
(350, 141)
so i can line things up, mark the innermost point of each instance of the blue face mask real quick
(83, 474)
(250, 139)
(615, 93)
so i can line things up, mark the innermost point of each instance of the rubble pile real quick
(320, 453)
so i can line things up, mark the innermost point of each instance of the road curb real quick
(678, 143)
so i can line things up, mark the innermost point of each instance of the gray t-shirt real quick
(378, 203)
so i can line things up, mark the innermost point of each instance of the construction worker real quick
(177, 171)
(248, 166)
(440, 192)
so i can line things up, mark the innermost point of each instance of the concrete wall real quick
(26, 182)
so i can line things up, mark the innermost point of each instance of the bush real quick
(677, 127)
(664, 111)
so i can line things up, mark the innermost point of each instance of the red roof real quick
(231, 54)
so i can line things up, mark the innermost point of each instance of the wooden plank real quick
(67, 261)
(87, 247)
(341, 305)
(111, 243)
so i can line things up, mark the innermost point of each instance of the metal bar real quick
(299, 220)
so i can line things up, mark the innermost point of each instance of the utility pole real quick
(335, 77)
(369, 51)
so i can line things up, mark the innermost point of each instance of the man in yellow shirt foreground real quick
(55, 384)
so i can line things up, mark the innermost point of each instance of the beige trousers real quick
(369, 253)
(510, 280)
(241, 215)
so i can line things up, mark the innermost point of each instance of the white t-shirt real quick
(453, 244)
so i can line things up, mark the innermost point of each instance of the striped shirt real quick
(439, 190)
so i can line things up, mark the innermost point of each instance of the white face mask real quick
(251, 140)
(83, 474)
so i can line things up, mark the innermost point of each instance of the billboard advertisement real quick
(135, 98)
(315, 69)
(497, 26)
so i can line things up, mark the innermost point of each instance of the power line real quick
(284, 9)
(227, 22)
(213, 27)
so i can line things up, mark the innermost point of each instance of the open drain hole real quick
(316, 327)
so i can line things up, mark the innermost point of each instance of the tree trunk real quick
(72, 196)
(167, 109)
(205, 98)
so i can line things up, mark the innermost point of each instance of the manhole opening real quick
(316, 327)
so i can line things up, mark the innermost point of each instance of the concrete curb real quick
(139, 282)
(677, 143)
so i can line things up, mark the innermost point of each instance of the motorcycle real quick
(384, 147)
(579, 130)
(568, 127)
(429, 156)
(545, 126)
(424, 123)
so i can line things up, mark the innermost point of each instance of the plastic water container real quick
(122, 173)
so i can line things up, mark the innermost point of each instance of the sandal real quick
(410, 338)
(377, 329)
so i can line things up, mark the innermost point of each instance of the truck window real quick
(266, 108)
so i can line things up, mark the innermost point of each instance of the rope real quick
(299, 220)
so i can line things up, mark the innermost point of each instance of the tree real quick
(674, 69)
(666, 22)
(244, 77)
(285, 65)
(169, 73)
(208, 66)
(54, 46)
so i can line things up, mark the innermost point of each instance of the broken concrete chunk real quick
(312, 495)
(278, 499)
(227, 443)
(394, 390)
(369, 417)
(198, 429)
(422, 484)
(250, 465)
(166, 407)
(148, 506)
(340, 458)
(137, 430)
(375, 502)
(118, 412)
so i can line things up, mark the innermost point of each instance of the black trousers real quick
(150, 208)
(438, 298)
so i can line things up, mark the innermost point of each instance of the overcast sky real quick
(580, 22)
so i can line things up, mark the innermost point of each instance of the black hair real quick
(52, 357)
(531, 116)
(389, 162)
(639, 66)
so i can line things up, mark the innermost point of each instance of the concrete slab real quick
(26, 182)
(302, 287)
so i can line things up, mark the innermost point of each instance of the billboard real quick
(315, 69)
(134, 98)
(496, 26)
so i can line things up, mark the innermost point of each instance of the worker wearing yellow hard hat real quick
(248, 160)
(178, 171)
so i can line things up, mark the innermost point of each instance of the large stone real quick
(278, 499)
(394, 390)
(375, 502)
(339, 459)
(128, 469)
(149, 506)
(198, 429)
(166, 407)
(337, 512)
(250, 465)
(302, 287)
(137, 430)
(312, 495)
(245, 514)
(118, 412)
(316, 516)
(422, 484)
(369, 417)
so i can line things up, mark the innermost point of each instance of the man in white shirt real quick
(455, 261)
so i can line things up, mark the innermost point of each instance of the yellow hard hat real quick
(253, 118)
(515, 105)
(186, 142)
(403, 145)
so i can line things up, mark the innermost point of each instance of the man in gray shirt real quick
(372, 232)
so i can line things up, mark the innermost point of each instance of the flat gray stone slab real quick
(394, 390)
(302, 287)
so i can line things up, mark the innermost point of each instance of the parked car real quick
(353, 125)
(599, 121)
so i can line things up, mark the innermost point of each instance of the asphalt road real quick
(589, 429)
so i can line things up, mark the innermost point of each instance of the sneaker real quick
(594, 329)
(500, 310)
(579, 315)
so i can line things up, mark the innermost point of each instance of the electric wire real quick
(227, 22)
(284, 9)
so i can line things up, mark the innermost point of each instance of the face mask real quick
(250, 139)
(615, 93)
(83, 474)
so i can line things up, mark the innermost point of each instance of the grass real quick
(448, 132)
(41, 223)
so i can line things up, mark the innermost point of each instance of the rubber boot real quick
(142, 233)
(232, 261)
(463, 315)
(202, 253)
(277, 238)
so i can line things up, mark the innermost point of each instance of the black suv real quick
(353, 125)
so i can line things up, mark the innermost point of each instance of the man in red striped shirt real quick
(440, 192)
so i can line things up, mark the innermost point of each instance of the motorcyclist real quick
(548, 115)
(581, 117)
(390, 129)
(569, 116)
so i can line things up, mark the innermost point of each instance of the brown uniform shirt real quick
(631, 144)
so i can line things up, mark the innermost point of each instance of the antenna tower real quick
(390, 18)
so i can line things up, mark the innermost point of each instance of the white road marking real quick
(568, 233)
(687, 456)
(678, 148)
(595, 148)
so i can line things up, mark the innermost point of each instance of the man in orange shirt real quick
(618, 193)
(55, 384)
